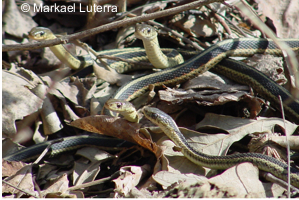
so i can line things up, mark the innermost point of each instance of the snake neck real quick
(157, 58)
(154, 53)
(65, 57)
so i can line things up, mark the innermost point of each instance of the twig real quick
(288, 147)
(271, 178)
(46, 150)
(220, 20)
(231, 23)
(106, 27)
(175, 33)
(26, 192)
(97, 182)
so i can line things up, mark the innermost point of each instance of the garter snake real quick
(263, 162)
(67, 144)
(217, 54)
(74, 62)
(131, 54)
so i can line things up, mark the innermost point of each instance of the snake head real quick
(119, 105)
(41, 33)
(145, 32)
(160, 118)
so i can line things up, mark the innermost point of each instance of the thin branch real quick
(106, 27)
(96, 182)
(15, 187)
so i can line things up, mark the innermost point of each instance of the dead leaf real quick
(243, 179)
(270, 65)
(9, 147)
(94, 154)
(198, 190)
(10, 168)
(176, 161)
(218, 91)
(131, 177)
(166, 178)
(235, 124)
(45, 170)
(197, 26)
(76, 90)
(281, 140)
(50, 119)
(22, 179)
(115, 127)
(284, 15)
(85, 172)
(59, 186)
(16, 23)
(18, 102)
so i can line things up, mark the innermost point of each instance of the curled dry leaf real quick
(116, 127)
(87, 171)
(218, 92)
(131, 177)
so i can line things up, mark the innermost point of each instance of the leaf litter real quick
(156, 163)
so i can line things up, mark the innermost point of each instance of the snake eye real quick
(148, 30)
(118, 105)
(41, 33)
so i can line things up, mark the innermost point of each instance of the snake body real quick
(67, 144)
(238, 71)
(263, 162)
(74, 62)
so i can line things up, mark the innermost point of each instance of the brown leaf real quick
(59, 186)
(16, 23)
(10, 168)
(131, 177)
(218, 92)
(22, 179)
(116, 127)
(18, 102)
